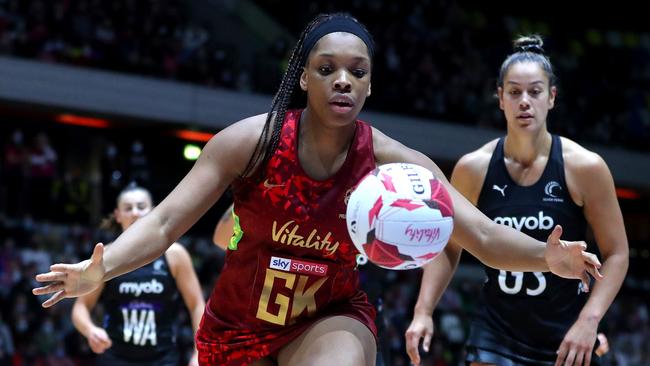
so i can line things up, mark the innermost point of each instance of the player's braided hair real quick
(528, 49)
(286, 98)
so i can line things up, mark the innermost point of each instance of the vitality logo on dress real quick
(298, 266)
(288, 234)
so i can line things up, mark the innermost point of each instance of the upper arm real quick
(224, 229)
(183, 272)
(595, 185)
(468, 177)
(470, 225)
(222, 160)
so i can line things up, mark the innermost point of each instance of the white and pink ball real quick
(400, 216)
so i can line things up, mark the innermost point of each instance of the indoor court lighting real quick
(191, 152)
(72, 119)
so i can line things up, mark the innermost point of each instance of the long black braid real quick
(285, 99)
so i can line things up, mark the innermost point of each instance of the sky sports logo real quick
(296, 266)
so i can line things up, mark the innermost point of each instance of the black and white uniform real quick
(524, 316)
(141, 308)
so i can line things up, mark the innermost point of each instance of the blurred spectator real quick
(72, 196)
(14, 173)
(112, 175)
(139, 164)
(42, 170)
(6, 343)
(431, 60)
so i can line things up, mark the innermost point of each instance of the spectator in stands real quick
(42, 171)
(14, 172)
(6, 343)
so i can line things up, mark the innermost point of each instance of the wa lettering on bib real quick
(140, 326)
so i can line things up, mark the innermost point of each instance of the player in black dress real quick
(532, 181)
(141, 307)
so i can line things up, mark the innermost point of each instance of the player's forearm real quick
(81, 319)
(436, 276)
(196, 315)
(141, 243)
(604, 291)
(510, 250)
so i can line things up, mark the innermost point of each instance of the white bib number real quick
(518, 284)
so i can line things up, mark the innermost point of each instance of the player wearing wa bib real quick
(525, 315)
(295, 262)
(140, 310)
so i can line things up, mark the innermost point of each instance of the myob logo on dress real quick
(138, 288)
(539, 222)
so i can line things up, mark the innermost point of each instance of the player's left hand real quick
(568, 259)
(578, 343)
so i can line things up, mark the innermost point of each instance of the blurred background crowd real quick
(435, 60)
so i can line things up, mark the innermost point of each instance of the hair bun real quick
(532, 44)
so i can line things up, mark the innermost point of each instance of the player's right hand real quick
(72, 280)
(568, 259)
(98, 340)
(421, 328)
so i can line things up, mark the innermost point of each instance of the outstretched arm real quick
(222, 160)
(189, 287)
(495, 245)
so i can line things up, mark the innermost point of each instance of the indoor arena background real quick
(95, 94)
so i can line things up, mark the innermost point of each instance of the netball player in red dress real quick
(289, 290)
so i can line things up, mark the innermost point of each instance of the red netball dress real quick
(295, 263)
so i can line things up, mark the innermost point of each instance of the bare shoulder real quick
(387, 149)
(469, 173)
(475, 164)
(231, 148)
(587, 174)
(246, 130)
(177, 256)
(176, 249)
(577, 159)
(380, 141)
